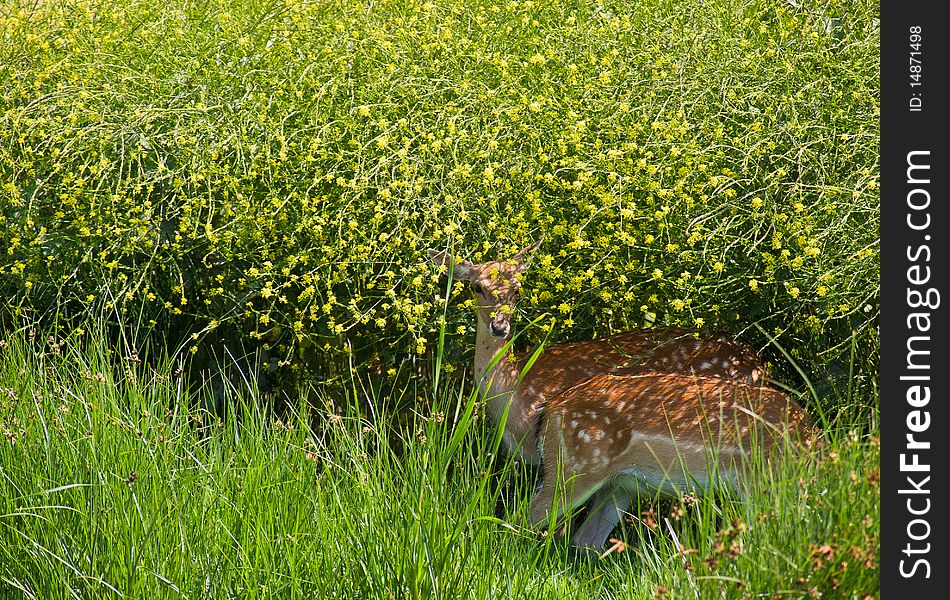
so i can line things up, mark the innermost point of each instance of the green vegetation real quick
(110, 486)
(183, 183)
(273, 171)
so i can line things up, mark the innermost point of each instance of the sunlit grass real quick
(111, 484)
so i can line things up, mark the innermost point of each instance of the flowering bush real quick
(275, 170)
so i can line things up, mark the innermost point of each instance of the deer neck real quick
(497, 382)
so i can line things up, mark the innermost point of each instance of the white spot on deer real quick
(583, 435)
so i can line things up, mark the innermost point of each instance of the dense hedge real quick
(276, 169)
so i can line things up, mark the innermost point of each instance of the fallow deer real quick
(614, 438)
(497, 285)
(652, 408)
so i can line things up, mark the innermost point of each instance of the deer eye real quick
(477, 288)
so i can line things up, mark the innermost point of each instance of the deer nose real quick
(500, 329)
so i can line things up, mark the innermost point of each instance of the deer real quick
(613, 438)
(498, 370)
(599, 409)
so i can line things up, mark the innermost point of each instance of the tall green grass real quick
(113, 485)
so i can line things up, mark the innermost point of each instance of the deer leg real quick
(561, 474)
(559, 478)
(577, 490)
(607, 509)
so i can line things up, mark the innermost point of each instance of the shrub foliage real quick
(274, 170)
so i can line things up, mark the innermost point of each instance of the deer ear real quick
(462, 270)
(523, 258)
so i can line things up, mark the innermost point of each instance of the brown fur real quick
(657, 406)
(658, 426)
(558, 368)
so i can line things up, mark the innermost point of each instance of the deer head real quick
(495, 284)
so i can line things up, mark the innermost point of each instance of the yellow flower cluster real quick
(285, 188)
